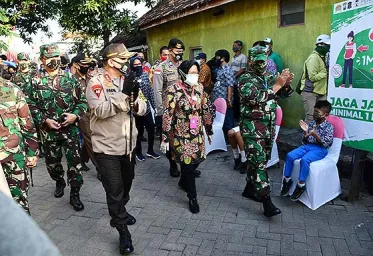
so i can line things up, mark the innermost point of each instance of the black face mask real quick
(218, 62)
(318, 117)
(124, 67)
(54, 64)
(178, 56)
(83, 70)
(138, 71)
(63, 68)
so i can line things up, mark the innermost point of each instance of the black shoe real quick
(249, 193)
(84, 168)
(193, 205)
(125, 241)
(298, 192)
(270, 209)
(174, 172)
(197, 173)
(131, 220)
(181, 185)
(60, 186)
(143, 139)
(237, 163)
(243, 167)
(75, 199)
(286, 187)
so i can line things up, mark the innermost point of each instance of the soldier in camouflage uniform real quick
(165, 74)
(23, 75)
(80, 66)
(257, 124)
(19, 143)
(57, 104)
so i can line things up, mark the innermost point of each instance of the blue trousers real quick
(307, 154)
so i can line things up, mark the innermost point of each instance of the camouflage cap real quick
(23, 56)
(258, 53)
(49, 50)
(117, 51)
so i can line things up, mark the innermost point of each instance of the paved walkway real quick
(227, 224)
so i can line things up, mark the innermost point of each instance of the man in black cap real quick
(112, 97)
(204, 73)
(165, 74)
(80, 65)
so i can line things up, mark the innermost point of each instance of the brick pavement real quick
(226, 225)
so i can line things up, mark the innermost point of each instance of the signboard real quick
(351, 71)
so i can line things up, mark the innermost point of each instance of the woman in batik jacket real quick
(186, 111)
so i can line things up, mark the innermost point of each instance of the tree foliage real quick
(97, 18)
(28, 16)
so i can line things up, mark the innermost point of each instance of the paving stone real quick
(226, 225)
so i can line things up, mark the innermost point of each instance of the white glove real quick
(165, 146)
(209, 139)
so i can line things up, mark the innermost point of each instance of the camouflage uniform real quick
(18, 140)
(22, 79)
(50, 98)
(257, 126)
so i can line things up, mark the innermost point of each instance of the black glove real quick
(131, 85)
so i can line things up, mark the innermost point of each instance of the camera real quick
(285, 91)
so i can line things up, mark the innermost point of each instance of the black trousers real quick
(117, 174)
(148, 122)
(188, 179)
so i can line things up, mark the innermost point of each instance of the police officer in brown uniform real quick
(111, 93)
(80, 66)
(165, 74)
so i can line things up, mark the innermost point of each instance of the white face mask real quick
(192, 79)
(199, 62)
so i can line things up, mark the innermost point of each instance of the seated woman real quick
(318, 137)
(186, 110)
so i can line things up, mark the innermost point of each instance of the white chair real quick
(218, 141)
(323, 182)
(274, 154)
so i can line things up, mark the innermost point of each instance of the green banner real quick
(351, 71)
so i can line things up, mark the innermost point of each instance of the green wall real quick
(249, 21)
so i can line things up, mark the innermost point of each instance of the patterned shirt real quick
(324, 130)
(225, 78)
(271, 67)
(205, 76)
(148, 91)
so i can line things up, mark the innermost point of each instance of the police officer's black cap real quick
(176, 43)
(81, 58)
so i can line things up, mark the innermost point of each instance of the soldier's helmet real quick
(258, 53)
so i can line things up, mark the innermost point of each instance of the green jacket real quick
(317, 73)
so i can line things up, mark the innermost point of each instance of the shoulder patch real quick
(97, 89)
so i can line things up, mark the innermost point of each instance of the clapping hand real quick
(303, 125)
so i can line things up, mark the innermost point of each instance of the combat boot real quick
(270, 209)
(60, 186)
(125, 241)
(75, 199)
(249, 192)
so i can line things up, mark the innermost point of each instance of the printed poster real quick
(350, 87)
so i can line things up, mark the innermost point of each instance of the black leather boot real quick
(270, 209)
(125, 241)
(60, 186)
(84, 167)
(249, 192)
(193, 205)
(75, 199)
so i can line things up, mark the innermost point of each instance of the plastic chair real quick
(274, 154)
(218, 141)
(323, 184)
